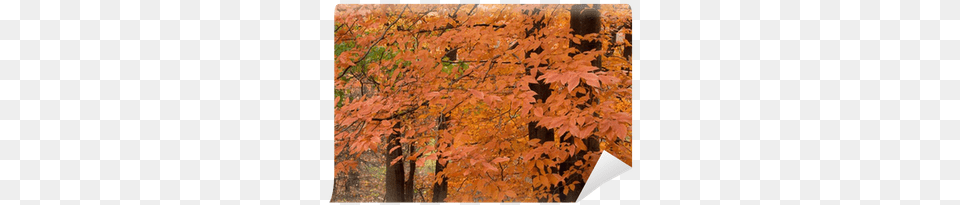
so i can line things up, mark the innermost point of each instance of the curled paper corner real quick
(608, 167)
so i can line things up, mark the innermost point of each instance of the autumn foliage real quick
(478, 103)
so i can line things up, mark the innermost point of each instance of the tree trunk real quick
(628, 50)
(394, 176)
(583, 20)
(542, 90)
(340, 185)
(411, 173)
(345, 184)
(440, 189)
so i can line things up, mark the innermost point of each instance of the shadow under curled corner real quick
(607, 168)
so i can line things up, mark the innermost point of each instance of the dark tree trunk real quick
(451, 54)
(411, 173)
(440, 189)
(628, 50)
(583, 20)
(542, 90)
(394, 176)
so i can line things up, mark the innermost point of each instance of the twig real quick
(385, 31)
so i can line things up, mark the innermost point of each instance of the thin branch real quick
(452, 27)
(400, 114)
(385, 31)
(481, 61)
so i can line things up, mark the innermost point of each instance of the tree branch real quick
(452, 27)
(400, 114)
(481, 61)
(385, 31)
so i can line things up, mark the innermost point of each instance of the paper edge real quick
(608, 167)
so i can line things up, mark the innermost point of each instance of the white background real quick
(230, 102)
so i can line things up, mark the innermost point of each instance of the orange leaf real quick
(620, 130)
(572, 84)
(525, 108)
(579, 143)
(545, 181)
(476, 93)
(396, 160)
(510, 193)
(494, 98)
(489, 166)
(591, 79)
(534, 142)
(553, 179)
